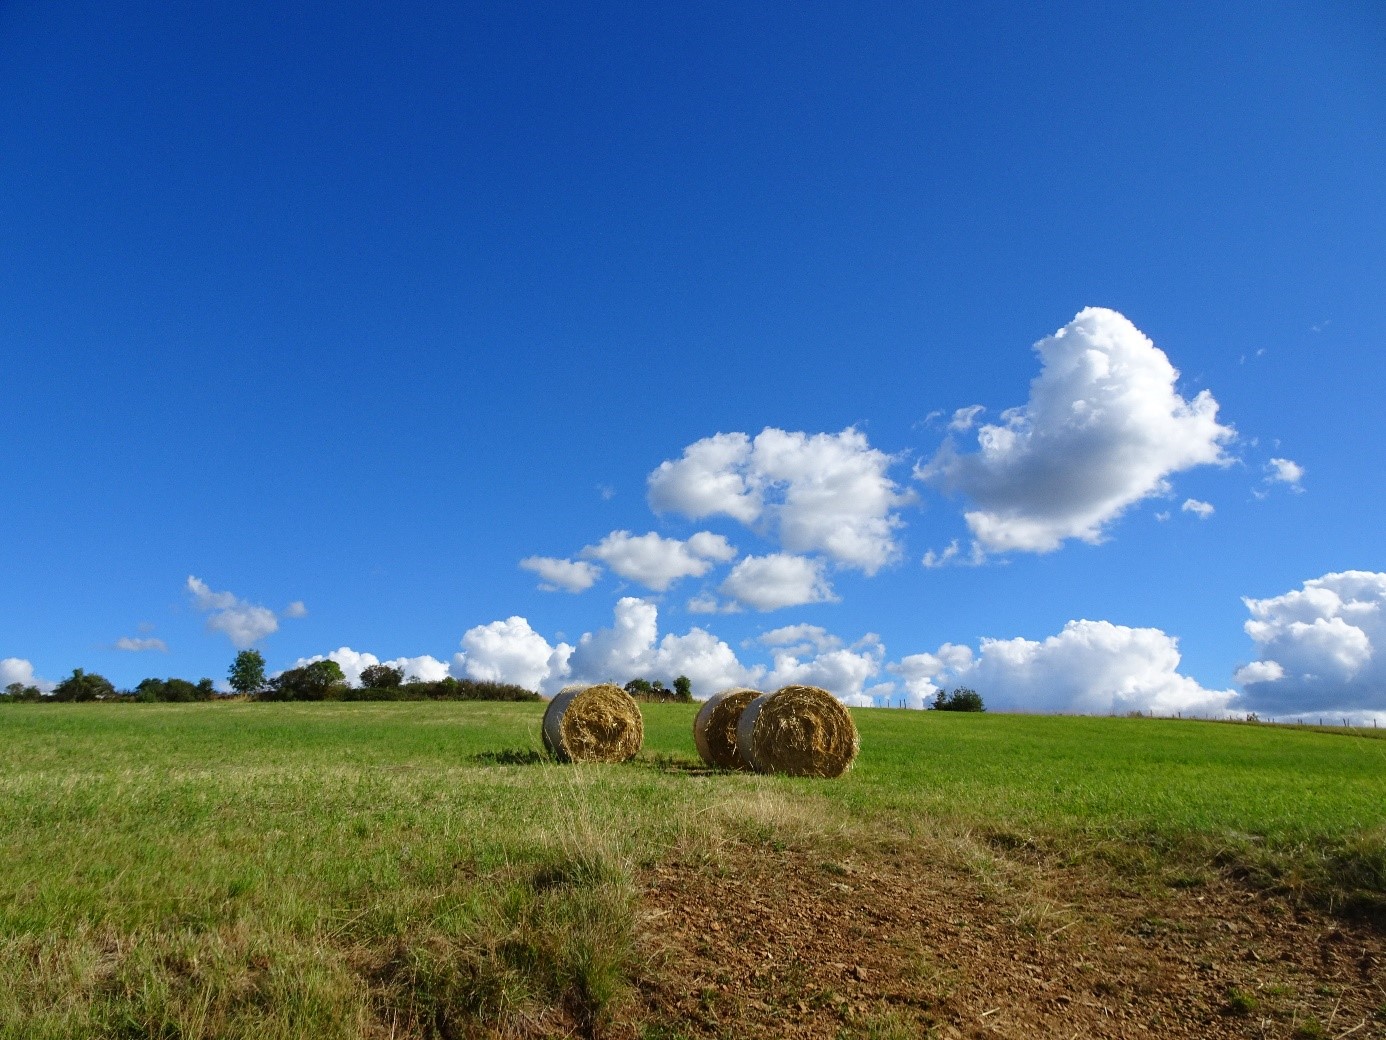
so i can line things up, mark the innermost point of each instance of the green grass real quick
(349, 870)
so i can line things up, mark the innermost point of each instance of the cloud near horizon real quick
(1319, 647)
(1091, 667)
(18, 670)
(353, 663)
(1104, 428)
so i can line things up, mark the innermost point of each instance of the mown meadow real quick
(421, 869)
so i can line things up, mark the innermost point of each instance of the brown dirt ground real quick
(887, 944)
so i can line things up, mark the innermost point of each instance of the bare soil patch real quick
(904, 942)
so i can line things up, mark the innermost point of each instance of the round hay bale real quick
(799, 731)
(714, 729)
(593, 724)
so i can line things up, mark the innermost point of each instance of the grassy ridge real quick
(356, 869)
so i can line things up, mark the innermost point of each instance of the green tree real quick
(381, 677)
(81, 686)
(247, 673)
(961, 699)
(17, 691)
(312, 682)
(683, 688)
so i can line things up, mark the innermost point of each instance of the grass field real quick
(417, 869)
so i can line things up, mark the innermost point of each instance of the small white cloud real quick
(135, 646)
(814, 636)
(1259, 671)
(18, 670)
(242, 622)
(606, 491)
(205, 599)
(965, 418)
(823, 492)
(566, 575)
(657, 562)
(778, 580)
(1104, 428)
(1202, 510)
(952, 555)
(296, 609)
(1284, 471)
(713, 477)
(1162, 516)
(706, 603)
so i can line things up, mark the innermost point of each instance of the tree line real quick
(316, 681)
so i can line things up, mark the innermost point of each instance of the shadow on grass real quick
(512, 757)
(682, 765)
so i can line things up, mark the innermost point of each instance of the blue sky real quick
(324, 319)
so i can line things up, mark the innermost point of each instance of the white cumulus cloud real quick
(1202, 510)
(1317, 646)
(1091, 667)
(296, 609)
(778, 580)
(814, 636)
(18, 670)
(825, 492)
(657, 562)
(567, 575)
(1283, 471)
(632, 648)
(242, 622)
(1104, 428)
(510, 651)
(844, 671)
(353, 663)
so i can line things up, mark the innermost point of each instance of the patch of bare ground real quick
(900, 941)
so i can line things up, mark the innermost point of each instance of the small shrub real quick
(1240, 1002)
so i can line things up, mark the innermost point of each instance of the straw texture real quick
(593, 724)
(798, 731)
(714, 728)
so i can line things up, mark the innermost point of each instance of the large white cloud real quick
(657, 562)
(568, 575)
(353, 663)
(825, 492)
(1104, 428)
(512, 652)
(778, 580)
(822, 662)
(18, 670)
(1321, 647)
(1091, 667)
(632, 647)
(242, 622)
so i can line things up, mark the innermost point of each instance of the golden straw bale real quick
(714, 729)
(593, 724)
(799, 731)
